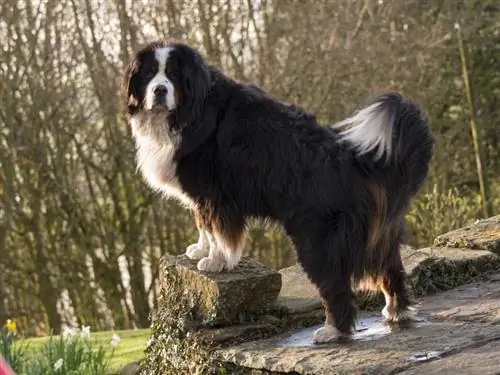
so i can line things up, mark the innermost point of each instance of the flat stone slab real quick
(477, 302)
(481, 361)
(436, 269)
(262, 330)
(231, 299)
(429, 270)
(456, 332)
(376, 354)
(298, 294)
(227, 297)
(482, 235)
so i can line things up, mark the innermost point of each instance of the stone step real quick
(482, 360)
(456, 333)
(253, 301)
(429, 270)
(482, 235)
(382, 352)
(221, 298)
(254, 320)
(436, 269)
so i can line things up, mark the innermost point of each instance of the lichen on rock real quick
(482, 235)
(173, 347)
(437, 269)
(229, 297)
(191, 303)
(201, 315)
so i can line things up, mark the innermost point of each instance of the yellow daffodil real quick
(11, 326)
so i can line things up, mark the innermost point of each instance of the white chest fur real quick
(156, 162)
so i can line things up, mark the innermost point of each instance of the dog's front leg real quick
(215, 261)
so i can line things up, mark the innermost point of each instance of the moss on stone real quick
(234, 297)
(180, 344)
(194, 309)
(482, 235)
(174, 348)
(447, 268)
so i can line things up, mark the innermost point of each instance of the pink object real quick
(5, 368)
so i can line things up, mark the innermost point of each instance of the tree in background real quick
(80, 232)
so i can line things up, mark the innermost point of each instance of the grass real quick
(131, 347)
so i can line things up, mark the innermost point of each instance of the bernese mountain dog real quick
(231, 153)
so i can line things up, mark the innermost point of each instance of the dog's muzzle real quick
(160, 95)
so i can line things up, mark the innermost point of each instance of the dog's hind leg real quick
(328, 251)
(397, 308)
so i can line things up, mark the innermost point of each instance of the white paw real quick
(197, 252)
(326, 334)
(398, 316)
(211, 264)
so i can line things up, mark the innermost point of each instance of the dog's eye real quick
(149, 73)
(171, 74)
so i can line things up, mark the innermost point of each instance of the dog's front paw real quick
(197, 252)
(327, 334)
(211, 264)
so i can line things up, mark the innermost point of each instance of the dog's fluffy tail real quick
(391, 139)
(390, 130)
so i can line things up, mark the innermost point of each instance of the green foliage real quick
(75, 214)
(436, 212)
(74, 353)
(174, 348)
(14, 355)
(69, 357)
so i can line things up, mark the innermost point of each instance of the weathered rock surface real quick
(242, 304)
(450, 321)
(441, 268)
(429, 270)
(473, 302)
(457, 333)
(482, 360)
(482, 235)
(390, 353)
(262, 330)
(297, 292)
(227, 297)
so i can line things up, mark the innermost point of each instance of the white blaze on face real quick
(160, 79)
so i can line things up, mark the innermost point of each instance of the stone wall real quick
(245, 321)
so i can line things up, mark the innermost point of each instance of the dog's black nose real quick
(160, 90)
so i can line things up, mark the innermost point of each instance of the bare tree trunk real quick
(48, 292)
(484, 184)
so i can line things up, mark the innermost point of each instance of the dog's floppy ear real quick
(130, 87)
(195, 87)
(198, 111)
